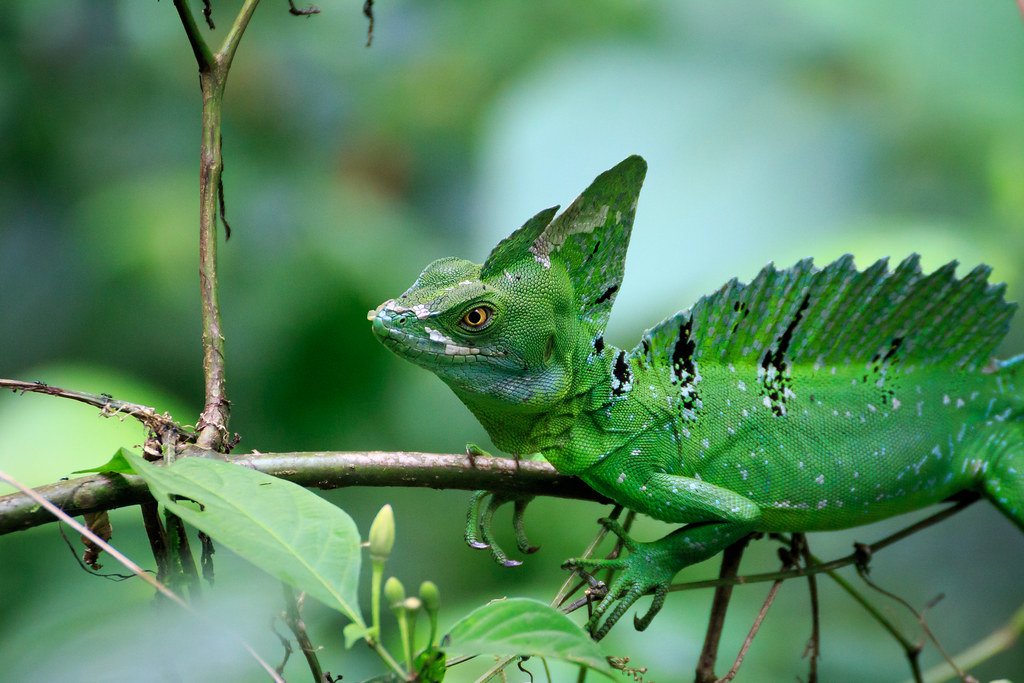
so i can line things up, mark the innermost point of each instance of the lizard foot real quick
(644, 570)
(479, 520)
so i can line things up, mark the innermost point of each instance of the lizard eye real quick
(477, 318)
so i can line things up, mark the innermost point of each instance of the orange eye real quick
(476, 318)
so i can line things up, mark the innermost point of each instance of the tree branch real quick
(227, 51)
(324, 470)
(962, 501)
(204, 58)
(108, 405)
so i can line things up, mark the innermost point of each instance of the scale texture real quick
(808, 399)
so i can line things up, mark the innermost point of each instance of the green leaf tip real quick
(118, 464)
(524, 627)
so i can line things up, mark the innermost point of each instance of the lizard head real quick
(515, 329)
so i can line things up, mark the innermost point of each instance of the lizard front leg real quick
(479, 516)
(718, 518)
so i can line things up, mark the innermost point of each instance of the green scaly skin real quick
(807, 400)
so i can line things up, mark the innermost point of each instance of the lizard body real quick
(810, 399)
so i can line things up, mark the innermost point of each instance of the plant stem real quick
(213, 422)
(293, 618)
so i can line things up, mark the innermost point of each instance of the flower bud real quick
(430, 596)
(382, 534)
(394, 593)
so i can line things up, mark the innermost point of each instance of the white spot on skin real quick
(622, 478)
(767, 402)
(421, 311)
(741, 385)
(896, 403)
(822, 504)
(960, 403)
(438, 336)
(455, 350)
(945, 399)
(820, 479)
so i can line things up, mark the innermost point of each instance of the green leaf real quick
(118, 463)
(282, 528)
(354, 632)
(519, 626)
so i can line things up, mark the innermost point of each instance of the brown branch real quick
(293, 619)
(788, 560)
(719, 605)
(109, 406)
(813, 648)
(324, 470)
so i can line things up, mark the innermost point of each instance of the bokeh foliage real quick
(773, 131)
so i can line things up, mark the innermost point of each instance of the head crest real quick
(589, 238)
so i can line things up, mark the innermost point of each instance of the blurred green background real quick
(773, 130)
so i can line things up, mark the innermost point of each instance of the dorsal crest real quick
(839, 315)
(589, 239)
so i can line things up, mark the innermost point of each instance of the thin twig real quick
(719, 605)
(368, 13)
(230, 46)
(998, 641)
(787, 562)
(293, 619)
(910, 649)
(813, 649)
(108, 405)
(157, 538)
(204, 58)
(862, 570)
(303, 12)
(127, 563)
(845, 561)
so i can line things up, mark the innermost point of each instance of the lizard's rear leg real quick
(1002, 480)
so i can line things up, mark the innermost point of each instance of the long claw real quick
(485, 529)
(641, 623)
(473, 520)
(519, 525)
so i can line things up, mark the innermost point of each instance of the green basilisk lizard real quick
(810, 399)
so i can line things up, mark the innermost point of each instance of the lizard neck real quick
(525, 427)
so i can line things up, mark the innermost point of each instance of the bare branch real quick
(108, 405)
(227, 51)
(719, 605)
(204, 58)
(853, 558)
(325, 470)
